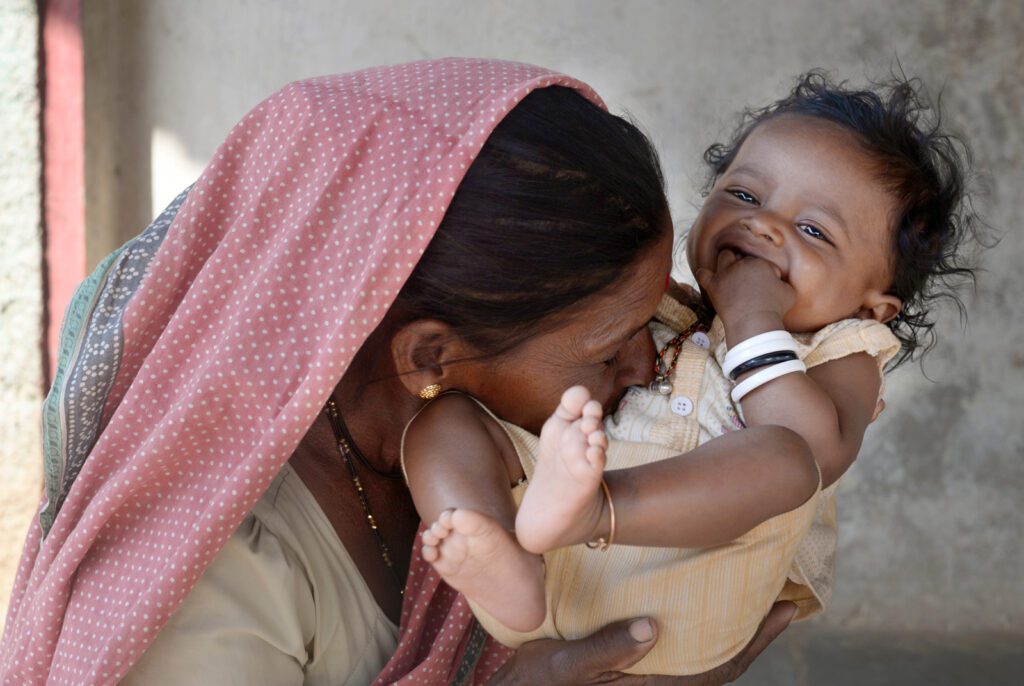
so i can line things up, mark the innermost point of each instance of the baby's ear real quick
(420, 350)
(882, 307)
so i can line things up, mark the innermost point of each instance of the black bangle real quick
(763, 361)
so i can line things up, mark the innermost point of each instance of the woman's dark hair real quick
(925, 169)
(561, 200)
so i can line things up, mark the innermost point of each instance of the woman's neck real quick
(375, 406)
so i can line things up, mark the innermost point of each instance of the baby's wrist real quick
(740, 327)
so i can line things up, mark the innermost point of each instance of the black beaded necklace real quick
(350, 454)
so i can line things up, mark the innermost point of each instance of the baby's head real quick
(856, 196)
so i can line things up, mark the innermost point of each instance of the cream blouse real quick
(282, 603)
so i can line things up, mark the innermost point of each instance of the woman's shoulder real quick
(285, 595)
(254, 602)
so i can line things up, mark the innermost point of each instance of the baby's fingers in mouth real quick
(728, 256)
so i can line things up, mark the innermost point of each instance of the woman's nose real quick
(637, 366)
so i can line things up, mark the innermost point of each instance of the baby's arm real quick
(706, 497)
(830, 406)
(713, 494)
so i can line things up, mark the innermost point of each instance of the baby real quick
(832, 217)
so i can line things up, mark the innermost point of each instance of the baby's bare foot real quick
(562, 505)
(478, 558)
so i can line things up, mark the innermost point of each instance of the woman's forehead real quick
(627, 305)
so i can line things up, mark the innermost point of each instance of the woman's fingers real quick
(779, 617)
(611, 649)
(600, 657)
(595, 659)
(774, 623)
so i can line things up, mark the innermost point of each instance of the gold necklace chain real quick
(349, 454)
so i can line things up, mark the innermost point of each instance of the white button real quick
(682, 405)
(701, 339)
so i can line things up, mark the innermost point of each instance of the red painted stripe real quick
(63, 161)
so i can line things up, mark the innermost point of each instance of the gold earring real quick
(430, 392)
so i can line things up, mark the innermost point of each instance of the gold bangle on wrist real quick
(601, 543)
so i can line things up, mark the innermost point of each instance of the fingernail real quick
(641, 630)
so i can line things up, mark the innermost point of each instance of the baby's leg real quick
(481, 560)
(456, 468)
(563, 502)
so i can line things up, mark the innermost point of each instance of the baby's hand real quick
(744, 287)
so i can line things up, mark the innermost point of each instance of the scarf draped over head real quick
(195, 359)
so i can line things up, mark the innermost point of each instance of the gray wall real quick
(21, 293)
(931, 514)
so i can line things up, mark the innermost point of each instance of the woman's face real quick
(604, 345)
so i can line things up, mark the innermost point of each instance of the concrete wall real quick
(931, 514)
(21, 292)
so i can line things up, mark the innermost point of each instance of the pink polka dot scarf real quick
(199, 355)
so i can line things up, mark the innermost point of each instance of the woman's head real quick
(557, 233)
(890, 142)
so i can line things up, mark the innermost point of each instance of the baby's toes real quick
(430, 552)
(445, 518)
(453, 552)
(440, 531)
(589, 424)
(593, 409)
(470, 522)
(597, 444)
(429, 538)
(572, 403)
(595, 457)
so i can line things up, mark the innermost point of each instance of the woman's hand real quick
(598, 658)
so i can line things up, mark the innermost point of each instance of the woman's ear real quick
(421, 350)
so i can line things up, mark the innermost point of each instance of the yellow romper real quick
(708, 603)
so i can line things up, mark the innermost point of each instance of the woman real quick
(186, 427)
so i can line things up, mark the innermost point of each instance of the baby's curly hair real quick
(925, 168)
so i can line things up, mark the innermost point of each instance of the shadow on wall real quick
(118, 126)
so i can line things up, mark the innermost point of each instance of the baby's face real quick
(802, 194)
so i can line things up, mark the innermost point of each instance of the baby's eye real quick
(743, 195)
(814, 232)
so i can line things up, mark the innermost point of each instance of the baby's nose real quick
(766, 226)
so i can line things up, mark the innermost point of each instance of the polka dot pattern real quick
(286, 254)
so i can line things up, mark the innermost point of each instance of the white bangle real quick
(764, 376)
(755, 346)
(778, 336)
